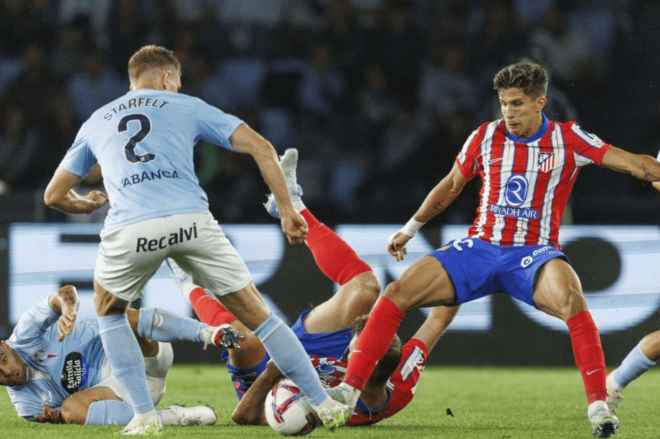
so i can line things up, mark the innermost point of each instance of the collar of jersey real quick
(540, 133)
(373, 412)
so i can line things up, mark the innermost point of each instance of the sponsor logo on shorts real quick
(543, 250)
(152, 245)
(526, 261)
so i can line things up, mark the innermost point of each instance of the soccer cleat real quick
(223, 336)
(345, 394)
(179, 276)
(603, 422)
(198, 415)
(288, 163)
(144, 424)
(332, 413)
(614, 396)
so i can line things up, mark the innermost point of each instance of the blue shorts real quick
(478, 269)
(326, 344)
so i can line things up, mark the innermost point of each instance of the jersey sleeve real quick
(79, 159)
(33, 324)
(214, 125)
(587, 148)
(467, 158)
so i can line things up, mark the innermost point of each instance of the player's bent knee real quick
(397, 295)
(73, 412)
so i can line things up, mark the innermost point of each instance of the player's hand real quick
(50, 416)
(69, 308)
(295, 228)
(98, 198)
(396, 245)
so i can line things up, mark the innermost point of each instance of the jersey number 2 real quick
(145, 128)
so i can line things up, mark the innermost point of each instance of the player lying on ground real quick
(389, 389)
(56, 370)
(643, 357)
(528, 165)
(326, 330)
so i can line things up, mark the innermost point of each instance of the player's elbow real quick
(656, 185)
(242, 418)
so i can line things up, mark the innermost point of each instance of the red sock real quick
(589, 356)
(336, 259)
(373, 342)
(209, 309)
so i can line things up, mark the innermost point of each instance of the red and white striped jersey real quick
(526, 183)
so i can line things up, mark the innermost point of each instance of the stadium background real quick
(378, 96)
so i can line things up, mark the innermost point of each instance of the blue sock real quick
(290, 357)
(123, 352)
(632, 366)
(110, 412)
(160, 325)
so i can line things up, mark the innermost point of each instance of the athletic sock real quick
(109, 412)
(373, 342)
(334, 257)
(589, 356)
(208, 308)
(160, 325)
(635, 364)
(290, 357)
(123, 352)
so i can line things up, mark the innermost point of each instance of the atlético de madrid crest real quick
(546, 161)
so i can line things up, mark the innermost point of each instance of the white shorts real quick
(129, 256)
(156, 369)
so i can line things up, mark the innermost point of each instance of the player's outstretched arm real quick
(65, 303)
(250, 410)
(247, 141)
(640, 166)
(60, 195)
(440, 197)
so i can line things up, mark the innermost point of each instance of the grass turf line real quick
(486, 402)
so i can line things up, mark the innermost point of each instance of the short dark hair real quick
(530, 78)
(388, 364)
(151, 57)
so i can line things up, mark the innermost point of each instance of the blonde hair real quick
(151, 58)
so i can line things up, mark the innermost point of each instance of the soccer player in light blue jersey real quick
(144, 144)
(56, 370)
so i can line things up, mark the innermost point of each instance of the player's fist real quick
(98, 198)
(295, 228)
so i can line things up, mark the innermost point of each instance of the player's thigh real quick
(129, 256)
(425, 283)
(558, 291)
(355, 298)
(213, 262)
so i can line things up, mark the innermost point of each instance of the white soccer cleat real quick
(614, 396)
(345, 394)
(198, 415)
(223, 336)
(179, 276)
(332, 413)
(144, 424)
(603, 422)
(288, 163)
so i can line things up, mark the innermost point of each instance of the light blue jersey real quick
(144, 143)
(55, 369)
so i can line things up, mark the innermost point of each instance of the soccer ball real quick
(288, 411)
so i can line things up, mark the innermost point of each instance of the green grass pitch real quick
(486, 402)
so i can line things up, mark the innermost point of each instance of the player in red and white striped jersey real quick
(527, 165)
